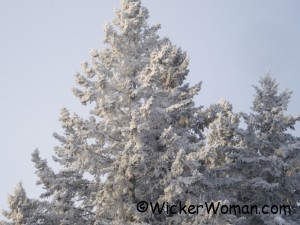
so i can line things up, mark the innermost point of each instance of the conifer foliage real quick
(271, 159)
(144, 141)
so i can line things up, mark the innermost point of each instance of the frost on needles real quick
(144, 141)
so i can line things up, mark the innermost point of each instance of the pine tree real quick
(144, 141)
(139, 142)
(258, 164)
(21, 206)
(272, 172)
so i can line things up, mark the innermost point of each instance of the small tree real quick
(260, 168)
(256, 166)
(271, 151)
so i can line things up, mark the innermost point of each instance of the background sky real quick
(231, 44)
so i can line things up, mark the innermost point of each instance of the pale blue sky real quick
(230, 43)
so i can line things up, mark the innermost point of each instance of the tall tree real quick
(144, 141)
(138, 142)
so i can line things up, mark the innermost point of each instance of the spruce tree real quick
(272, 152)
(144, 141)
(139, 142)
(258, 165)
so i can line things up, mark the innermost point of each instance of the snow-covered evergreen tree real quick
(144, 141)
(272, 176)
(258, 164)
(218, 166)
(21, 207)
(138, 143)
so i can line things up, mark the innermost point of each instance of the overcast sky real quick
(231, 44)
